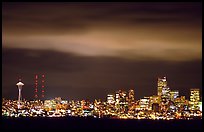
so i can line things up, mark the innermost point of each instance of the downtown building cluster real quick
(167, 104)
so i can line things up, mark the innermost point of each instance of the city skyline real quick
(87, 50)
(39, 88)
(166, 105)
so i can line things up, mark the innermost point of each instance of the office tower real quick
(117, 97)
(200, 106)
(131, 95)
(121, 103)
(154, 100)
(162, 82)
(110, 99)
(174, 94)
(195, 95)
(194, 98)
(144, 103)
(120, 96)
(165, 96)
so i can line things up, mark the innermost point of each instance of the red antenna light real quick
(36, 86)
(43, 85)
(37, 81)
(19, 78)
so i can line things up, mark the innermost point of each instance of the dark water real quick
(73, 123)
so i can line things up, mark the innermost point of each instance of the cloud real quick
(163, 31)
(121, 42)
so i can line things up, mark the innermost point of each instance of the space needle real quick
(20, 86)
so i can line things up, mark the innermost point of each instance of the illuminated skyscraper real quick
(162, 82)
(144, 103)
(154, 99)
(174, 94)
(121, 96)
(121, 100)
(195, 97)
(154, 102)
(110, 99)
(165, 96)
(131, 95)
(200, 105)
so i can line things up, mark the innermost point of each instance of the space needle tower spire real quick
(20, 86)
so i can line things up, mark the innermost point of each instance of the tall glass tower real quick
(162, 82)
(195, 98)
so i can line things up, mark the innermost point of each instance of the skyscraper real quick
(162, 82)
(131, 95)
(144, 103)
(117, 97)
(121, 100)
(110, 99)
(174, 94)
(194, 98)
(165, 93)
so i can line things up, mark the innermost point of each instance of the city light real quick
(166, 105)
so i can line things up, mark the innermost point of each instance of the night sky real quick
(88, 50)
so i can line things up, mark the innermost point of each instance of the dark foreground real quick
(71, 123)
